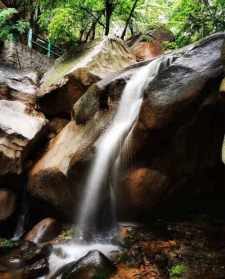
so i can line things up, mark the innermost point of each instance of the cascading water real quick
(109, 146)
(104, 172)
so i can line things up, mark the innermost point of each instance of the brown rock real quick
(141, 188)
(50, 179)
(56, 125)
(45, 230)
(20, 127)
(146, 50)
(73, 73)
(7, 204)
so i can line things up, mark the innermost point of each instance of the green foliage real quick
(67, 234)
(63, 25)
(6, 243)
(177, 271)
(9, 30)
(66, 22)
(192, 20)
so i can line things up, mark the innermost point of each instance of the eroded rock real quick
(20, 127)
(18, 85)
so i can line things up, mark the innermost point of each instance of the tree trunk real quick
(129, 18)
(108, 14)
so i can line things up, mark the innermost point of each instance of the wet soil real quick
(188, 249)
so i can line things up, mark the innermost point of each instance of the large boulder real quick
(182, 115)
(20, 127)
(73, 73)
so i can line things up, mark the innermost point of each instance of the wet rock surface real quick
(93, 265)
(45, 230)
(23, 260)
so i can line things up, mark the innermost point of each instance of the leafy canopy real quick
(69, 21)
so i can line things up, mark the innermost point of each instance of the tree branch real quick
(129, 18)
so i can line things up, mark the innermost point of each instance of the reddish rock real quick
(147, 50)
(142, 188)
(45, 230)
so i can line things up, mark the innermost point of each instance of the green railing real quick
(44, 46)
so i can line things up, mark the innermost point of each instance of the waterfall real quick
(22, 217)
(109, 146)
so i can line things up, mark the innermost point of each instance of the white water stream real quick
(110, 143)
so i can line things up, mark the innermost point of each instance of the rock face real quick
(45, 230)
(7, 204)
(72, 74)
(93, 265)
(20, 127)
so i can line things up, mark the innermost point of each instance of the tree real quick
(10, 26)
(108, 14)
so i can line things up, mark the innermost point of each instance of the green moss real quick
(177, 270)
